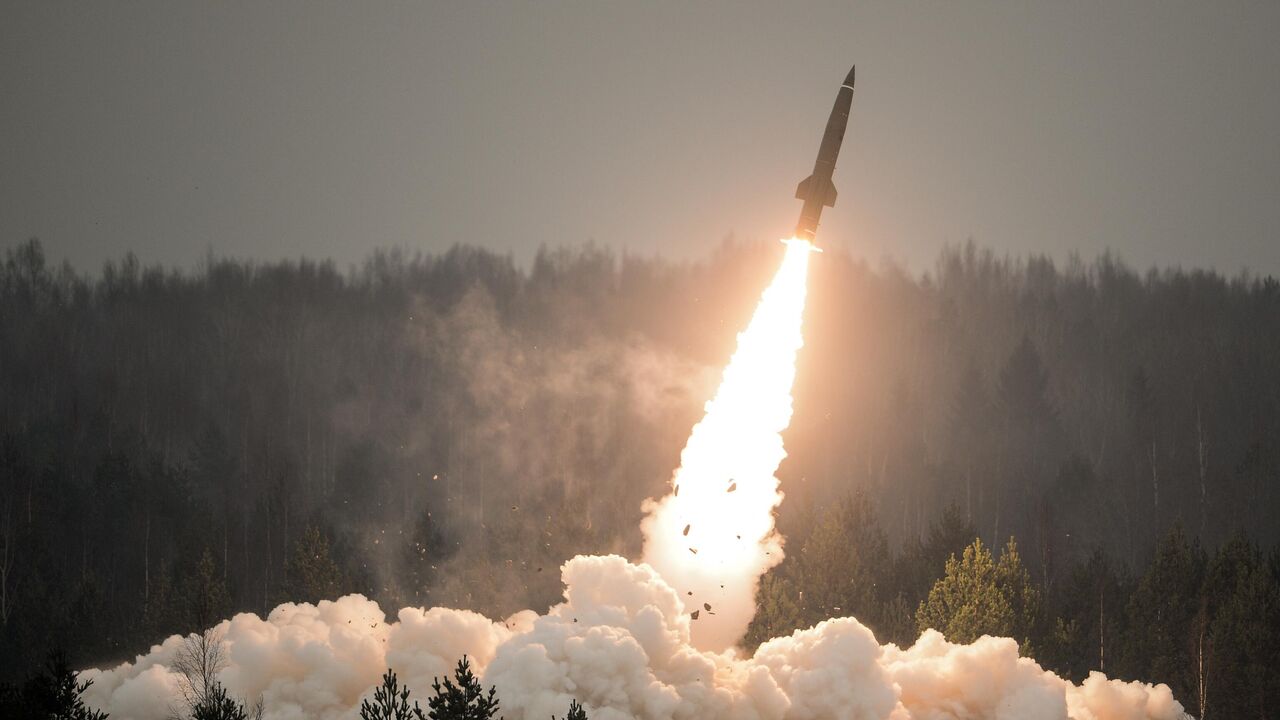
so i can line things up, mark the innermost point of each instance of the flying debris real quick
(817, 191)
(686, 529)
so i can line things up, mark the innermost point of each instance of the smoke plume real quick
(621, 644)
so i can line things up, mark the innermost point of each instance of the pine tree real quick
(843, 567)
(464, 701)
(966, 602)
(1242, 599)
(1024, 386)
(1029, 443)
(978, 596)
(218, 706)
(1014, 582)
(917, 568)
(158, 612)
(576, 712)
(897, 622)
(776, 610)
(207, 598)
(1088, 620)
(54, 693)
(1163, 642)
(313, 575)
(390, 702)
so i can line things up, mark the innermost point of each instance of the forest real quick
(1087, 448)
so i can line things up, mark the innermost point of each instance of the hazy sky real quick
(306, 128)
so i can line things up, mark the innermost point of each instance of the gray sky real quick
(283, 129)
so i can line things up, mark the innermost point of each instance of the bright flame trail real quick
(713, 537)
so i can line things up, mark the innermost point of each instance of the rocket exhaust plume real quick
(717, 539)
(712, 536)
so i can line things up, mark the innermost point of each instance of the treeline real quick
(57, 693)
(1206, 624)
(448, 429)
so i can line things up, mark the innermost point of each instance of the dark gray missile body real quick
(817, 191)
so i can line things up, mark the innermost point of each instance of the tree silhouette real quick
(390, 702)
(207, 598)
(313, 575)
(53, 694)
(576, 712)
(464, 701)
(218, 706)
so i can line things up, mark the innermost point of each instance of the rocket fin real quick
(802, 190)
(826, 190)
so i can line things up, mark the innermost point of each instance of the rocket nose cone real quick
(848, 80)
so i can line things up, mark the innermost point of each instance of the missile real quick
(817, 191)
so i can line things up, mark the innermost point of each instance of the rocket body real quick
(817, 191)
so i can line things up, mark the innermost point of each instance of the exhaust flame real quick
(712, 536)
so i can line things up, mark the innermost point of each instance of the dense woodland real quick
(176, 445)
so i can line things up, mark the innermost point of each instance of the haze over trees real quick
(447, 429)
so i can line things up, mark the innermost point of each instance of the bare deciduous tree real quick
(197, 663)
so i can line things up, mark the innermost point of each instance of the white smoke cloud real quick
(621, 644)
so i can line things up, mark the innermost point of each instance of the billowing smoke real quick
(653, 640)
(621, 644)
